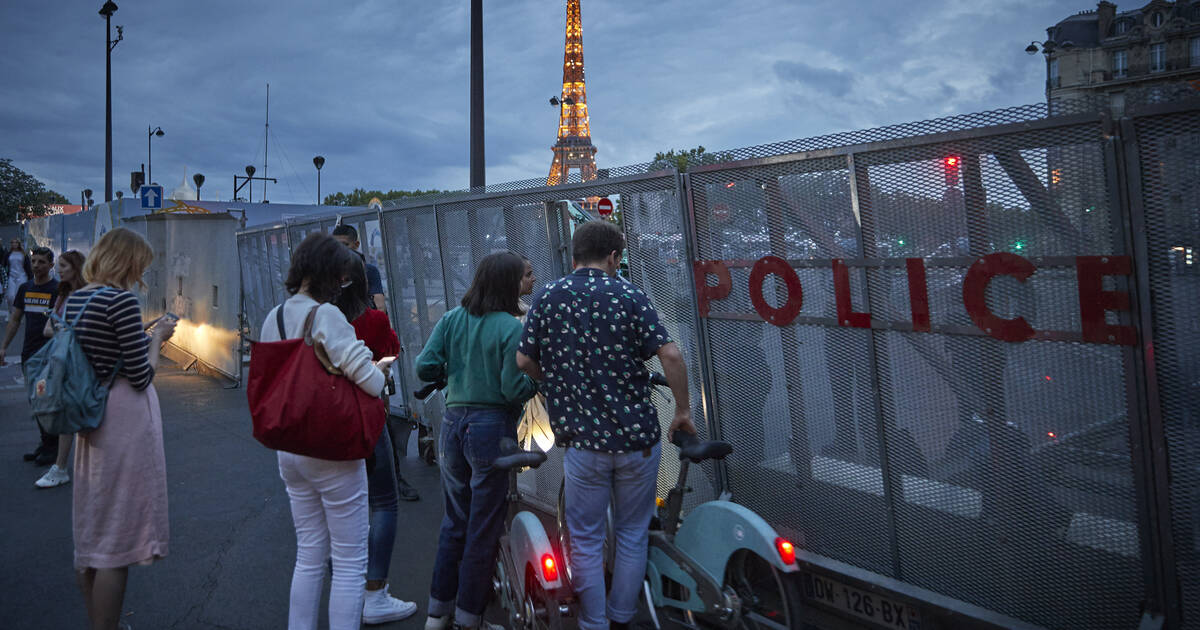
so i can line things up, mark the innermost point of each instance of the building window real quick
(1121, 27)
(1157, 19)
(1194, 52)
(1158, 57)
(1053, 73)
(1120, 63)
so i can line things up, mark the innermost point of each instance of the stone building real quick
(1143, 54)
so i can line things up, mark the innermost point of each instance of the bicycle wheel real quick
(770, 599)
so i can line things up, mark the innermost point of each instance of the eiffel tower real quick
(574, 147)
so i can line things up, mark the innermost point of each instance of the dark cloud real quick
(833, 82)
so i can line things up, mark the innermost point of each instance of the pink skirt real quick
(120, 485)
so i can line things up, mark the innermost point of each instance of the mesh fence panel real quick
(994, 472)
(1170, 179)
(264, 260)
(447, 242)
(418, 291)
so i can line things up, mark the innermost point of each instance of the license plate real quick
(882, 611)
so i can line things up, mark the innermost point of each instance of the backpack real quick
(64, 393)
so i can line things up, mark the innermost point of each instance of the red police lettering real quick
(975, 291)
(841, 290)
(706, 292)
(918, 294)
(783, 315)
(1094, 301)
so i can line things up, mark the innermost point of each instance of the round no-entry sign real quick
(605, 206)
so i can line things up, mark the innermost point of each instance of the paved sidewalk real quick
(232, 543)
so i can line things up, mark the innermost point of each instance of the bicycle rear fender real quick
(713, 531)
(528, 542)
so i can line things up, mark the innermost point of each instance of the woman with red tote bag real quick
(328, 497)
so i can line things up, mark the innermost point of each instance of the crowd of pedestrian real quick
(580, 346)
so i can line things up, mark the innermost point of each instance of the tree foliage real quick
(360, 197)
(22, 196)
(681, 159)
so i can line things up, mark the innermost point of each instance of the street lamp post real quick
(149, 155)
(107, 11)
(318, 162)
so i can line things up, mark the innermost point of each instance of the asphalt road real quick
(232, 544)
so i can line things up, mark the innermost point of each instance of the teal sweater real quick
(477, 356)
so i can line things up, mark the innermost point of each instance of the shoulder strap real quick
(308, 322)
(279, 321)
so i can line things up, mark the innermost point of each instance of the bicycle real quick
(722, 565)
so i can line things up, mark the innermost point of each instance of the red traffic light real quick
(950, 165)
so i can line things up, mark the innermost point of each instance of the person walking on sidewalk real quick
(586, 340)
(120, 492)
(372, 327)
(70, 279)
(328, 498)
(473, 350)
(18, 270)
(32, 302)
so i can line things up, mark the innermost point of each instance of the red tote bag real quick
(305, 406)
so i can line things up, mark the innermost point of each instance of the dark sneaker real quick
(34, 455)
(45, 458)
(405, 491)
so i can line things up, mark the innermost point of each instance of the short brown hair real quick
(595, 240)
(118, 259)
(323, 261)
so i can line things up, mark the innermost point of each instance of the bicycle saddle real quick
(511, 456)
(692, 448)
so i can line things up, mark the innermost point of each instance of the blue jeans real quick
(630, 480)
(383, 501)
(476, 496)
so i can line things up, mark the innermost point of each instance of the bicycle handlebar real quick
(424, 392)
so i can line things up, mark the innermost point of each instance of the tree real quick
(22, 196)
(682, 158)
(362, 197)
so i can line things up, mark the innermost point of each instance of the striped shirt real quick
(111, 329)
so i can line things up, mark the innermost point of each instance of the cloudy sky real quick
(380, 87)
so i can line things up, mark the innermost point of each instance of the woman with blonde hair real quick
(70, 279)
(120, 492)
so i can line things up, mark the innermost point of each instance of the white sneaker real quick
(381, 607)
(54, 477)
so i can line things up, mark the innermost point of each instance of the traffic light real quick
(950, 165)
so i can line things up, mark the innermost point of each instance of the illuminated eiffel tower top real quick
(574, 147)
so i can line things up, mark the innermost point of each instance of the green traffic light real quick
(1019, 245)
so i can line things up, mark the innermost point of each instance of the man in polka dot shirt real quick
(586, 340)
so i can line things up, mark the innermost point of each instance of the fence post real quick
(708, 395)
(1147, 433)
(860, 202)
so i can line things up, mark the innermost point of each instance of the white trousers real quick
(329, 510)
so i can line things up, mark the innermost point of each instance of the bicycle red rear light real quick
(787, 551)
(549, 568)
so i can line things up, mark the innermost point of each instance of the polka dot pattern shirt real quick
(591, 334)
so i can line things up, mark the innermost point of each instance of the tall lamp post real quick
(199, 180)
(107, 11)
(318, 162)
(477, 162)
(149, 155)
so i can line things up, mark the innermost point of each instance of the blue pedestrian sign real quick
(151, 197)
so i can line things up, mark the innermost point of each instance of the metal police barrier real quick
(956, 357)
